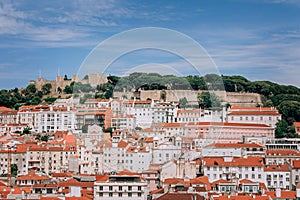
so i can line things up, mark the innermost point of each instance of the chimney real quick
(278, 192)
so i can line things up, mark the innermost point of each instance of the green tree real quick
(30, 89)
(59, 90)
(14, 170)
(113, 79)
(26, 131)
(183, 102)
(68, 90)
(290, 111)
(50, 100)
(84, 129)
(46, 89)
(284, 130)
(45, 138)
(209, 100)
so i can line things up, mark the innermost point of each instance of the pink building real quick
(228, 132)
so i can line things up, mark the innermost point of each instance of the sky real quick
(258, 39)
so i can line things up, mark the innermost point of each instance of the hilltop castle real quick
(93, 79)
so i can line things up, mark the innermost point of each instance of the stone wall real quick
(234, 98)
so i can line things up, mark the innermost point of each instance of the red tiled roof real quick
(253, 113)
(45, 185)
(245, 181)
(149, 140)
(297, 124)
(235, 145)
(122, 144)
(174, 181)
(241, 198)
(173, 124)
(285, 194)
(276, 168)
(201, 180)
(229, 124)
(127, 172)
(102, 178)
(180, 196)
(217, 182)
(66, 174)
(158, 191)
(296, 164)
(32, 176)
(3, 108)
(253, 108)
(250, 161)
(77, 198)
(282, 152)
(74, 182)
(49, 198)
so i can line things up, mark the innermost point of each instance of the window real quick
(120, 187)
(129, 188)
(129, 194)
(120, 194)
(100, 194)
(110, 194)
(100, 188)
(139, 194)
(253, 176)
(139, 188)
(110, 188)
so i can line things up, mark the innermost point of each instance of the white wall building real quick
(125, 185)
(251, 168)
(56, 118)
(166, 151)
(260, 115)
(278, 176)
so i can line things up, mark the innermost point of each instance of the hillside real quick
(285, 98)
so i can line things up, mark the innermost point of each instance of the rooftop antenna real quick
(58, 72)
(40, 73)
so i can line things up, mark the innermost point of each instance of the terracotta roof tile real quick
(282, 152)
(180, 196)
(276, 168)
(32, 176)
(249, 161)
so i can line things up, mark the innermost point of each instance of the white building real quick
(124, 185)
(122, 122)
(230, 168)
(278, 176)
(166, 151)
(143, 112)
(138, 158)
(55, 118)
(295, 172)
(235, 150)
(164, 112)
(28, 115)
(114, 156)
(281, 156)
(259, 115)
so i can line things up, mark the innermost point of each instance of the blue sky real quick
(258, 39)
